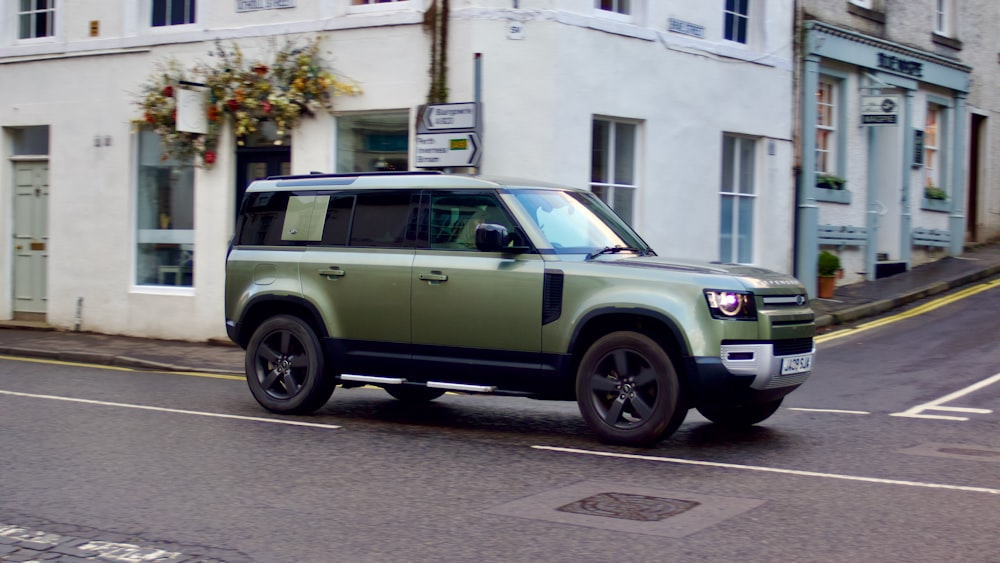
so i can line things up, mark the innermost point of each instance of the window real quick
(164, 217)
(826, 128)
(373, 141)
(373, 2)
(612, 165)
(736, 220)
(944, 17)
(384, 219)
(36, 18)
(173, 12)
(736, 15)
(454, 218)
(623, 7)
(934, 154)
(863, 3)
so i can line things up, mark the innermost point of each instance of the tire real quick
(414, 393)
(628, 390)
(285, 367)
(738, 416)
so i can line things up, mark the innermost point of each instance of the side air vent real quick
(552, 296)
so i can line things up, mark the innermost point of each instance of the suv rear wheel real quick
(628, 390)
(285, 367)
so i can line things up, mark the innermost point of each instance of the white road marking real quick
(938, 404)
(834, 411)
(772, 470)
(172, 411)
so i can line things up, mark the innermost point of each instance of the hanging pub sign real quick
(191, 116)
(879, 110)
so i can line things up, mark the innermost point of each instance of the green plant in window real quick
(297, 82)
(830, 182)
(934, 192)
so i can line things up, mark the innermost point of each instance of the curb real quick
(97, 358)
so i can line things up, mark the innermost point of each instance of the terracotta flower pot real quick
(825, 285)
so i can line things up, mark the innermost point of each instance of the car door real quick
(476, 316)
(359, 278)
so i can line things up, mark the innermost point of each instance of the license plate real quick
(796, 364)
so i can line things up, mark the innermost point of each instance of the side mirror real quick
(491, 237)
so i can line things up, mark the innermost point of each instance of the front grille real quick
(793, 346)
(787, 380)
(784, 300)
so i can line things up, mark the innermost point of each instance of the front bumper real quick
(744, 373)
(760, 361)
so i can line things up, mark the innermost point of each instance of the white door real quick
(31, 236)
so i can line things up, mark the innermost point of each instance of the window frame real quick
(53, 23)
(145, 17)
(944, 18)
(942, 149)
(617, 12)
(190, 5)
(735, 15)
(369, 6)
(738, 195)
(610, 185)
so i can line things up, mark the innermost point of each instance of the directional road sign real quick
(441, 117)
(445, 150)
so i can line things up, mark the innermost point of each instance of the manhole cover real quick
(969, 451)
(629, 507)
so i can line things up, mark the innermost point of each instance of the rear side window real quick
(378, 219)
(385, 219)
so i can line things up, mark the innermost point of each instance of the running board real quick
(434, 384)
(461, 387)
(372, 379)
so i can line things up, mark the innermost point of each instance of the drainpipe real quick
(957, 219)
(807, 241)
(906, 216)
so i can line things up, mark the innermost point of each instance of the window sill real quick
(941, 205)
(869, 14)
(939, 39)
(833, 196)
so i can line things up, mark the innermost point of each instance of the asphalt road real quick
(890, 452)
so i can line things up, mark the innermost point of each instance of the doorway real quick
(31, 238)
(260, 162)
(976, 146)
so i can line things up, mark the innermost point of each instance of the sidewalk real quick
(850, 303)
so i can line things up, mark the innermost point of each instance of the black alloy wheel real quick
(628, 390)
(285, 367)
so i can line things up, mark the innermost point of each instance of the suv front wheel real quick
(628, 390)
(285, 367)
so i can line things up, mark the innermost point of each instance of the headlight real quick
(728, 305)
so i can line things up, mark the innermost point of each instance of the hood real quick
(753, 276)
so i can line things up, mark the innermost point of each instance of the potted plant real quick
(827, 267)
(830, 182)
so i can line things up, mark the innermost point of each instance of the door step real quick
(377, 380)
(888, 268)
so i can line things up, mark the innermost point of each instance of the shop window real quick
(738, 194)
(36, 18)
(613, 165)
(935, 159)
(373, 141)
(164, 217)
(737, 15)
(172, 12)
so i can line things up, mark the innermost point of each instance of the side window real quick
(384, 219)
(262, 219)
(338, 221)
(454, 218)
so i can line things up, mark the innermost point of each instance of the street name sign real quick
(445, 150)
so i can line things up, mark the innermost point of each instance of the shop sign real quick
(191, 116)
(879, 110)
(254, 5)
(900, 65)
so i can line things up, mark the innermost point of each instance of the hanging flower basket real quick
(242, 94)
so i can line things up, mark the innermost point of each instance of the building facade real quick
(677, 113)
(898, 115)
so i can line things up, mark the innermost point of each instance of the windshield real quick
(577, 222)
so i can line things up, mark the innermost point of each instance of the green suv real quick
(423, 283)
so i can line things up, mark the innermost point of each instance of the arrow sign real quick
(440, 117)
(445, 150)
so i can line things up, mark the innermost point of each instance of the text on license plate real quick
(796, 364)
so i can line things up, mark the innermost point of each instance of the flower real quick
(243, 94)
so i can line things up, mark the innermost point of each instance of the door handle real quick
(433, 277)
(332, 273)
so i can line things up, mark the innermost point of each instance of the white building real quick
(679, 113)
(898, 107)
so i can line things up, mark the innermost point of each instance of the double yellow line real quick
(916, 311)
